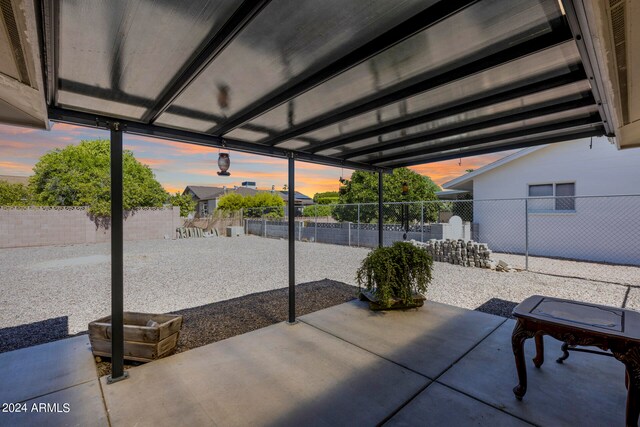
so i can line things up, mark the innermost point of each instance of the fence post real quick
(264, 223)
(315, 229)
(422, 221)
(300, 223)
(358, 224)
(526, 234)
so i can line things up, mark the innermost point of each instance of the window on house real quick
(564, 197)
(552, 197)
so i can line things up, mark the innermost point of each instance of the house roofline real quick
(486, 168)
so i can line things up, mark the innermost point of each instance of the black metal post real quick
(117, 293)
(292, 240)
(380, 218)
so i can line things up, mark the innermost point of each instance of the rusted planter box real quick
(142, 343)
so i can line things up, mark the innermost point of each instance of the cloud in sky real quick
(177, 164)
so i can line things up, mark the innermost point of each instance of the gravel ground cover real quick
(221, 320)
(69, 286)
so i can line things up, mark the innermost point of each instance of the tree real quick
(363, 188)
(185, 202)
(262, 203)
(231, 202)
(79, 175)
(270, 203)
(326, 198)
(318, 210)
(14, 194)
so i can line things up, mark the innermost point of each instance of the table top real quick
(601, 319)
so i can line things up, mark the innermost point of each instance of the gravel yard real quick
(71, 283)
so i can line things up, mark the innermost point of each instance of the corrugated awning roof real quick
(369, 84)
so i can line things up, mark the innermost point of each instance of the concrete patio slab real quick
(440, 406)
(35, 371)
(587, 390)
(427, 340)
(80, 405)
(279, 375)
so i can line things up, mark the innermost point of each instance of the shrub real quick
(318, 210)
(398, 271)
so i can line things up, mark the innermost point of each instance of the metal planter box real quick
(142, 343)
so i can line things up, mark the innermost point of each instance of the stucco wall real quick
(43, 226)
(602, 170)
(601, 229)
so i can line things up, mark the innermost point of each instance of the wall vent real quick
(14, 39)
(618, 17)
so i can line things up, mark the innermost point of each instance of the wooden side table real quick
(580, 324)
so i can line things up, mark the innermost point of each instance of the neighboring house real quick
(560, 222)
(207, 197)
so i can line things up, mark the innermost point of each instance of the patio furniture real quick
(580, 324)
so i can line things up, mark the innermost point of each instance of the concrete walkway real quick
(346, 365)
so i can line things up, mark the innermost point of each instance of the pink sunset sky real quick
(177, 165)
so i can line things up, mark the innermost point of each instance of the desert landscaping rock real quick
(69, 286)
(459, 252)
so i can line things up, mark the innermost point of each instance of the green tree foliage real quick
(318, 210)
(326, 198)
(79, 175)
(231, 202)
(363, 188)
(14, 194)
(463, 207)
(185, 202)
(264, 203)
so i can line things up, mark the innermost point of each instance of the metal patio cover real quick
(364, 84)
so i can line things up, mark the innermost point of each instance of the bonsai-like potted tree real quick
(395, 276)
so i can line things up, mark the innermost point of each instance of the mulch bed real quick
(225, 319)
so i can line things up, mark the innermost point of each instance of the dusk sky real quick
(177, 165)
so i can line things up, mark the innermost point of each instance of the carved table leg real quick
(565, 352)
(519, 336)
(631, 359)
(539, 359)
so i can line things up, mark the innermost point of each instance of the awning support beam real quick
(419, 22)
(240, 18)
(447, 75)
(380, 210)
(523, 113)
(568, 136)
(291, 207)
(453, 108)
(92, 120)
(117, 274)
(525, 131)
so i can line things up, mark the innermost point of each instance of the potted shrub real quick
(395, 276)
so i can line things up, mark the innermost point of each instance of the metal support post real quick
(380, 218)
(117, 275)
(526, 234)
(315, 229)
(422, 221)
(358, 224)
(264, 224)
(292, 240)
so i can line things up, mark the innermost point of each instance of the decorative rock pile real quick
(459, 252)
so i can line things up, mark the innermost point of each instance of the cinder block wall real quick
(44, 226)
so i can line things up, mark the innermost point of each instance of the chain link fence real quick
(525, 231)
